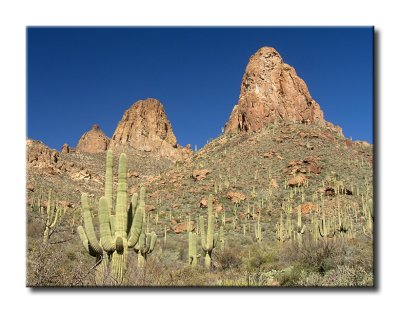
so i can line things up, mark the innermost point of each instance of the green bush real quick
(342, 276)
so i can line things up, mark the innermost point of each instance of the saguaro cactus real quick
(114, 240)
(51, 218)
(209, 240)
(221, 238)
(258, 229)
(281, 233)
(369, 215)
(108, 185)
(325, 228)
(193, 256)
(146, 242)
(300, 227)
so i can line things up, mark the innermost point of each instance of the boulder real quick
(236, 197)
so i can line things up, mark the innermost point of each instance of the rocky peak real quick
(271, 90)
(145, 127)
(93, 141)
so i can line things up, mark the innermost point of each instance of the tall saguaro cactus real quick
(258, 229)
(108, 185)
(300, 227)
(209, 240)
(51, 219)
(114, 229)
(325, 228)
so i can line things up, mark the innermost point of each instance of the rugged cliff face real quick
(270, 91)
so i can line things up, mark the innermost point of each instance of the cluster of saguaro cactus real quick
(368, 210)
(210, 239)
(282, 234)
(146, 242)
(114, 228)
(50, 218)
(192, 240)
(36, 204)
(325, 226)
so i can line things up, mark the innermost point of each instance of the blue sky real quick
(81, 76)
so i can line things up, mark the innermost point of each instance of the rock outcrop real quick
(270, 91)
(145, 127)
(47, 162)
(93, 141)
(65, 148)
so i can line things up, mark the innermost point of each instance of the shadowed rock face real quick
(145, 127)
(271, 90)
(93, 141)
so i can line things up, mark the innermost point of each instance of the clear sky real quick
(81, 76)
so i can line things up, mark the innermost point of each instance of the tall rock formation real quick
(145, 127)
(271, 90)
(93, 141)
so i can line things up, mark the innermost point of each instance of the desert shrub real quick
(188, 276)
(229, 258)
(360, 254)
(342, 276)
(34, 227)
(289, 277)
(318, 256)
(260, 257)
(47, 265)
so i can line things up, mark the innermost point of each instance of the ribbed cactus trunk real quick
(222, 238)
(101, 270)
(208, 240)
(147, 241)
(51, 219)
(192, 249)
(141, 260)
(109, 180)
(300, 228)
(121, 216)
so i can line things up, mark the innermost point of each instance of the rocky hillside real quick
(276, 157)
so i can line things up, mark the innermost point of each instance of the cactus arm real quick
(83, 237)
(49, 213)
(215, 239)
(211, 225)
(85, 242)
(106, 238)
(202, 234)
(89, 229)
(137, 223)
(109, 179)
(192, 249)
(52, 225)
(120, 210)
(131, 211)
(153, 241)
(222, 237)
(112, 224)
(134, 202)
